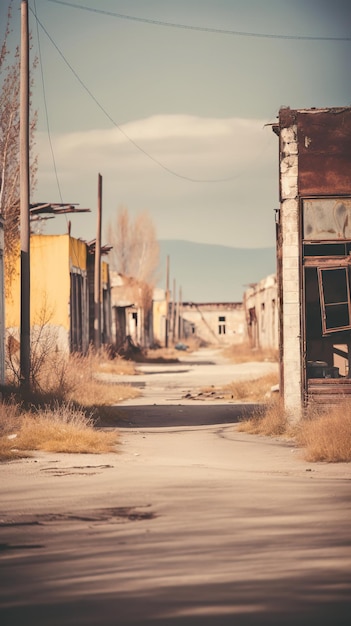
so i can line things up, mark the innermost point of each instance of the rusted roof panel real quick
(324, 140)
(55, 208)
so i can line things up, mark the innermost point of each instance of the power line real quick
(135, 144)
(203, 29)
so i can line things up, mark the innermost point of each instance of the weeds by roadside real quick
(269, 420)
(59, 412)
(323, 434)
(254, 390)
(61, 428)
(243, 353)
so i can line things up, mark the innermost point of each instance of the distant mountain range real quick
(213, 273)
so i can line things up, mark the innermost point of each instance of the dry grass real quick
(10, 423)
(243, 353)
(75, 379)
(270, 421)
(325, 435)
(62, 428)
(256, 390)
(66, 396)
(171, 354)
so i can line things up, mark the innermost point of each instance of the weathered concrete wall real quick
(261, 311)
(290, 237)
(215, 323)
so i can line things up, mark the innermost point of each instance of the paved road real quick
(186, 525)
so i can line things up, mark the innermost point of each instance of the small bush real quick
(10, 424)
(255, 390)
(243, 353)
(325, 435)
(61, 428)
(269, 421)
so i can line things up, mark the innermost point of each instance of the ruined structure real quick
(214, 323)
(261, 311)
(314, 255)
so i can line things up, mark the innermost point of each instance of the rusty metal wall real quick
(324, 149)
(324, 139)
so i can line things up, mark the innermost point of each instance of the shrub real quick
(243, 353)
(270, 421)
(325, 434)
(62, 428)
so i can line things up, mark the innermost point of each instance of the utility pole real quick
(97, 273)
(180, 319)
(177, 319)
(173, 325)
(24, 200)
(167, 303)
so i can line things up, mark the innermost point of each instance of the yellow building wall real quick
(77, 253)
(51, 258)
(159, 315)
(50, 280)
(104, 273)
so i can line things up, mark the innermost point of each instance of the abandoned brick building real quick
(314, 255)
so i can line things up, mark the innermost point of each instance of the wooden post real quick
(167, 304)
(180, 319)
(97, 273)
(24, 200)
(173, 324)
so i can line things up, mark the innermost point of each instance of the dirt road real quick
(186, 525)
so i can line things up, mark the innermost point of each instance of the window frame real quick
(327, 305)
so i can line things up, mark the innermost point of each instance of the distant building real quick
(261, 311)
(214, 323)
(132, 311)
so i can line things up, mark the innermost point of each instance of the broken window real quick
(263, 308)
(327, 218)
(335, 302)
(221, 325)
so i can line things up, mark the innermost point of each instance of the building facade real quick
(213, 323)
(261, 312)
(313, 255)
(59, 293)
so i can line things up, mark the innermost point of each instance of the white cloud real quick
(203, 149)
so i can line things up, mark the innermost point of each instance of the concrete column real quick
(290, 224)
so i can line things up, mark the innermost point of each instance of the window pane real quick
(334, 285)
(336, 316)
(327, 219)
(334, 298)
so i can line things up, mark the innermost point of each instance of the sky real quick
(177, 118)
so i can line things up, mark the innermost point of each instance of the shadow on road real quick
(174, 415)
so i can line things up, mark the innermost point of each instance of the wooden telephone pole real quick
(24, 200)
(167, 304)
(97, 273)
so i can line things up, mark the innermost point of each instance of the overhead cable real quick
(135, 144)
(203, 29)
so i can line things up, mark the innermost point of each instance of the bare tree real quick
(135, 249)
(9, 148)
(118, 235)
(135, 254)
